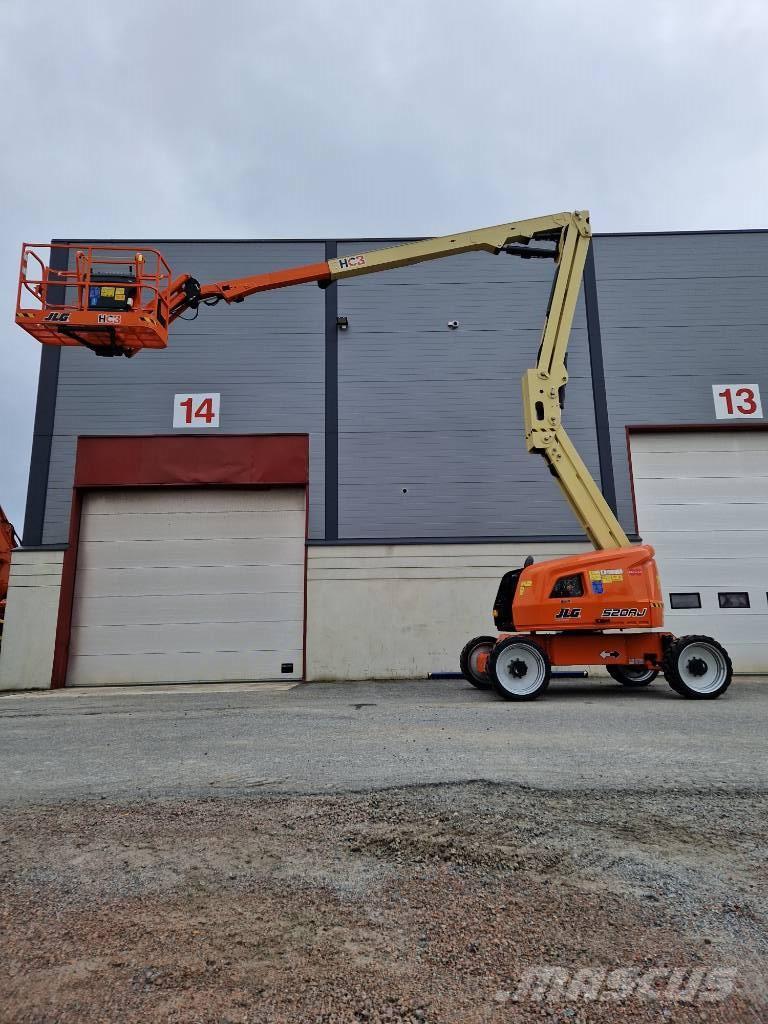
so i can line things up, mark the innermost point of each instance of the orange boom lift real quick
(601, 608)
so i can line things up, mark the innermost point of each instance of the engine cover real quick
(614, 589)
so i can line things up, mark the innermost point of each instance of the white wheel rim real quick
(638, 675)
(520, 669)
(702, 667)
(472, 660)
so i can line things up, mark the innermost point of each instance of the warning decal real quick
(606, 576)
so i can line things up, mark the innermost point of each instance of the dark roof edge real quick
(372, 238)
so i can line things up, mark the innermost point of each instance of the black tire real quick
(519, 669)
(479, 679)
(698, 667)
(632, 675)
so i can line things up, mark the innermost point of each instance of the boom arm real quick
(543, 385)
(116, 301)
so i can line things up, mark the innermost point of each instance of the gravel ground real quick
(420, 904)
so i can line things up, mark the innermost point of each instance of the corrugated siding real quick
(430, 419)
(265, 357)
(678, 313)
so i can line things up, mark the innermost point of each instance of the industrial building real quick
(328, 484)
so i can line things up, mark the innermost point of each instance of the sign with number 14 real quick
(737, 401)
(195, 412)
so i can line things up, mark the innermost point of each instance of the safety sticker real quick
(597, 586)
(607, 575)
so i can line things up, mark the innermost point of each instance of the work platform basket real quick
(113, 299)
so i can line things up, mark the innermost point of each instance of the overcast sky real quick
(235, 119)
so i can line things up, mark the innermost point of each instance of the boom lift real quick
(599, 608)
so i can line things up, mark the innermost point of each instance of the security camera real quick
(453, 324)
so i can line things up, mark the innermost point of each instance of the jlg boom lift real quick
(600, 608)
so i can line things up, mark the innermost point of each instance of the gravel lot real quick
(261, 900)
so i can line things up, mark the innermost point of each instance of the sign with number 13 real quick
(737, 401)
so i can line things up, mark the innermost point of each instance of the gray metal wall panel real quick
(678, 314)
(426, 409)
(266, 357)
(430, 419)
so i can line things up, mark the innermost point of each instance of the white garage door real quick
(702, 501)
(186, 585)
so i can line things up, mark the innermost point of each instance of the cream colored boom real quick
(544, 431)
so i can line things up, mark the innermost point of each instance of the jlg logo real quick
(59, 318)
(623, 613)
(569, 613)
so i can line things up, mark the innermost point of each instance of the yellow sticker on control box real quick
(607, 575)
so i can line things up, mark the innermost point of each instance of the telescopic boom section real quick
(152, 300)
(187, 293)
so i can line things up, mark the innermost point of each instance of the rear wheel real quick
(519, 669)
(632, 675)
(468, 661)
(698, 667)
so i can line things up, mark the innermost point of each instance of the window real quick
(733, 599)
(685, 600)
(568, 586)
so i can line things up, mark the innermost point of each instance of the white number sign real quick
(737, 401)
(194, 412)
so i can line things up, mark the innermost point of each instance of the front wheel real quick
(632, 675)
(468, 661)
(519, 669)
(698, 667)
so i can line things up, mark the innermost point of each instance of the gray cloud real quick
(353, 118)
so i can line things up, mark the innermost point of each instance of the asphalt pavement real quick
(328, 737)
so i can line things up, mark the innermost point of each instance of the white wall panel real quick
(220, 666)
(193, 580)
(189, 551)
(402, 611)
(26, 654)
(155, 609)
